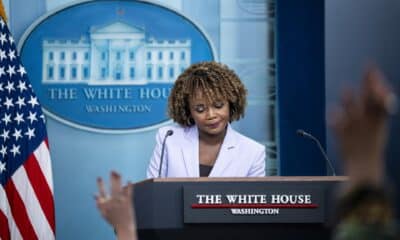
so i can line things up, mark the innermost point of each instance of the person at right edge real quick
(365, 209)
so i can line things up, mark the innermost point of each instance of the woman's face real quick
(210, 118)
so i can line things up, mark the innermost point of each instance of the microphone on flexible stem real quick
(169, 133)
(303, 133)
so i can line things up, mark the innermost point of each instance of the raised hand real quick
(116, 207)
(360, 124)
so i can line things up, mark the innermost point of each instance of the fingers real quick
(101, 188)
(350, 110)
(128, 190)
(377, 95)
(374, 91)
(116, 187)
(348, 102)
(375, 101)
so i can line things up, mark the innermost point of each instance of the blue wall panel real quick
(301, 85)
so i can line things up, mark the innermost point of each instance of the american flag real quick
(26, 190)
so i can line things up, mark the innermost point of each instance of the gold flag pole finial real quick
(3, 11)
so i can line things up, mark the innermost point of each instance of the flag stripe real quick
(4, 229)
(19, 213)
(5, 209)
(41, 189)
(42, 155)
(31, 202)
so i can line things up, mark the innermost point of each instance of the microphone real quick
(169, 133)
(305, 134)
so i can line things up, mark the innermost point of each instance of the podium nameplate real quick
(253, 203)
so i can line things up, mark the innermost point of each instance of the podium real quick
(236, 208)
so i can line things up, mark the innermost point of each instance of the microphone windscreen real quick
(300, 132)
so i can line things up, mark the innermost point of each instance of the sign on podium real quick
(235, 208)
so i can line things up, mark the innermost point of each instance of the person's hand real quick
(360, 125)
(116, 207)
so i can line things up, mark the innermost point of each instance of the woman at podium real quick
(203, 102)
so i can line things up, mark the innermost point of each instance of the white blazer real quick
(239, 156)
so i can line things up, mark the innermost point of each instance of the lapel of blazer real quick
(190, 151)
(226, 153)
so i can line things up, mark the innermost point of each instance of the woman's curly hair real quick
(216, 81)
